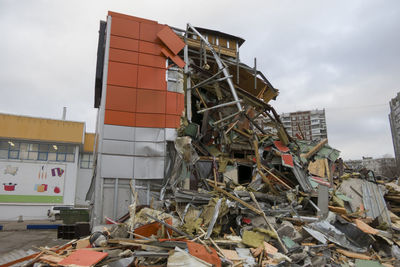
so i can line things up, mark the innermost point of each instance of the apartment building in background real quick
(309, 124)
(394, 118)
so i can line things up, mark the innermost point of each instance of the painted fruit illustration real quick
(57, 190)
(9, 186)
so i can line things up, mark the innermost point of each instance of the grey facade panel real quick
(118, 147)
(150, 149)
(170, 134)
(149, 167)
(119, 132)
(116, 166)
(149, 134)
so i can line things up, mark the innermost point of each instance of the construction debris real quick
(236, 194)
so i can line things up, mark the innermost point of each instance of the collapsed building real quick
(188, 177)
(153, 81)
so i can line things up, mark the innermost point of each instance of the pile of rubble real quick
(306, 211)
(239, 194)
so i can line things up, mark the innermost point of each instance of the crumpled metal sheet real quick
(334, 235)
(374, 202)
(302, 178)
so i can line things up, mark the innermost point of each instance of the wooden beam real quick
(315, 149)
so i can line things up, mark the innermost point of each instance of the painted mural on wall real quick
(22, 182)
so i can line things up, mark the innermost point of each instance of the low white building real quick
(43, 163)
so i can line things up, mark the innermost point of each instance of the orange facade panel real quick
(124, 27)
(171, 40)
(121, 98)
(123, 16)
(150, 120)
(123, 56)
(151, 101)
(151, 78)
(172, 121)
(119, 118)
(122, 74)
(149, 48)
(172, 103)
(152, 61)
(124, 43)
(175, 58)
(148, 32)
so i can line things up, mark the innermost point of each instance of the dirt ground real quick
(28, 239)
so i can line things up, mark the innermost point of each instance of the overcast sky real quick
(343, 56)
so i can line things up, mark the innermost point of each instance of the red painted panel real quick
(124, 43)
(151, 78)
(150, 48)
(124, 27)
(151, 60)
(172, 103)
(150, 120)
(122, 74)
(151, 101)
(172, 121)
(123, 56)
(119, 118)
(148, 32)
(121, 98)
(171, 40)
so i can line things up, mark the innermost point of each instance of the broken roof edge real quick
(222, 34)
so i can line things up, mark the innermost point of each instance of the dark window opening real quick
(245, 174)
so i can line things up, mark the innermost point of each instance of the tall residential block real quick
(394, 118)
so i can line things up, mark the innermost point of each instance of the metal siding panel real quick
(172, 103)
(124, 27)
(119, 132)
(151, 60)
(124, 56)
(121, 98)
(151, 78)
(149, 48)
(170, 134)
(172, 121)
(149, 149)
(117, 166)
(118, 147)
(151, 101)
(171, 40)
(119, 118)
(150, 120)
(124, 43)
(124, 74)
(148, 32)
(149, 168)
(149, 134)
